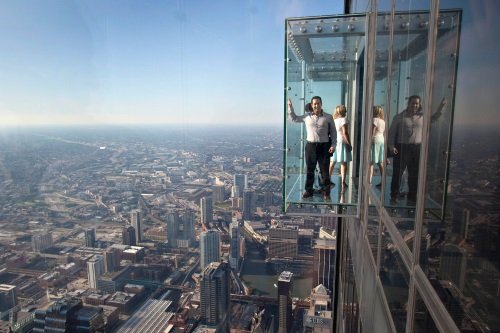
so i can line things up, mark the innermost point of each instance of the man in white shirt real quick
(321, 141)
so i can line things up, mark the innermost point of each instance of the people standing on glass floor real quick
(319, 126)
(343, 150)
(378, 142)
(404, 140)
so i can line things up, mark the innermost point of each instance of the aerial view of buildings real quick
(152, 180)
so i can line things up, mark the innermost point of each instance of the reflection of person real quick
(405, 137)
(319, 126)
(378, 141)
(343, 150)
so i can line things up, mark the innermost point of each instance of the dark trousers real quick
(408, 157)
(317, 153)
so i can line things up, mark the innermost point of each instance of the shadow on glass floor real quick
(346, 197)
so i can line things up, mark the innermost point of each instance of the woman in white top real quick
(343, 150)
(378, 142)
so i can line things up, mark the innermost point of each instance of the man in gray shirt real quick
(321, 141)
(405, 137)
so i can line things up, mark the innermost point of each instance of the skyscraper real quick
(234, 250)
(324, 262)
(206, 209)
(248, 204)
(128, 236)
(95, 268)
(219, 193)
(180, 229)
(401, 261)
(214, 296)
(41, 241)
(209, 247)
(285, 302)
(135, 221)
(241, 181)
(90, 237)
(7, 297)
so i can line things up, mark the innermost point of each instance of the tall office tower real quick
(283, 241)
(285, 302)
(90, 237)
(241, 181)
(41, 241)
(135, 221)
(214, 296)
(128, 236)
(324, 262)
(268, 198)
(234, 250)
(319, 316)
(7, 297)
(453, 265)
(69, 315)
(248, 204)
(235, 192)
(206, 209)
(180, 229)
(218, 193)
(95, 268)
(112, 259)
(461, 219)
(209, 247)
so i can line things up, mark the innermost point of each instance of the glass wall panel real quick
(423, 321)
(372, 233)
(442, 108)
(325, 57)
(395, 280)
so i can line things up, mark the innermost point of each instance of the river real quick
(262, 278)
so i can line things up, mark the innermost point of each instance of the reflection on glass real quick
(395, 280)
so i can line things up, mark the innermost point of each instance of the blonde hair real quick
(378, 112)
(340, 112)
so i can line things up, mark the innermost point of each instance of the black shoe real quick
(307, 194)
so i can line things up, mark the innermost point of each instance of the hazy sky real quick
(187, 61)
(102, 61)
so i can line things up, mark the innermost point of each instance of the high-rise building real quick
(7, 297)
(90, 237)
(135, 221)
(209, 247)
(453, 265)
(180, 229)
(319, 316)
(69, 315)
(206, 209)
(218, 193)
(283, 241)
(214, 296)
(95, 268)
(128, 236)
(41, 241)
(241, 181)
(285, 302)
(324, 262)
(248, 204)
(112, 259)
(235, 192)
(405, 264)
(234, 248)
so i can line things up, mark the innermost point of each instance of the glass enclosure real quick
(327, 56)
